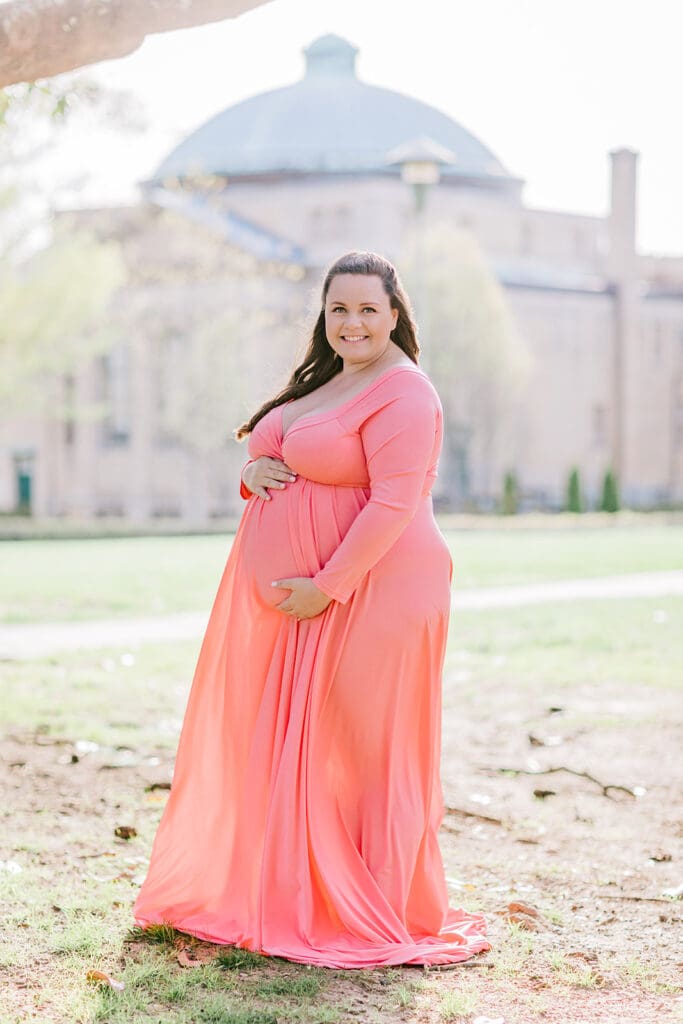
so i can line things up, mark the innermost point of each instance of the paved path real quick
(33, 640)
(640, 584)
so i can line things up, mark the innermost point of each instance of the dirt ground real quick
(595, 863)
(604, 941)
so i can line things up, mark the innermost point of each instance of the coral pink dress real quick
(306, 799)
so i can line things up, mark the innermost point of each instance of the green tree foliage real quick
(206, 379)
(51, 316)
(212, 370)
(471, 346)
(55, 283)
(610, 494)
(574, 496)
(52, 101)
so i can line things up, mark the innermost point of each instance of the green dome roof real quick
(328, 122)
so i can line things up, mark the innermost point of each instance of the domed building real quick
(329, 122)
(227, 250)
(311, 163)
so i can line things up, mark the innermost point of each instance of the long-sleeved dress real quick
(306, 798)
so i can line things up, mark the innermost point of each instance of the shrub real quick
(610, 493)
(510, 494)
(574, 499)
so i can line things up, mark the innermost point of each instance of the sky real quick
(549, 86)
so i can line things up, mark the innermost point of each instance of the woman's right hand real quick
(265, 472)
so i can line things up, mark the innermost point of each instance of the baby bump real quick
(295, 533)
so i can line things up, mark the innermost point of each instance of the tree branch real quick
(571, 771)
(472, 814)
(42, 38)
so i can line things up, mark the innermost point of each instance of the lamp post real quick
(420, 160)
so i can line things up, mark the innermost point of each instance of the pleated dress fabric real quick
(306, 799)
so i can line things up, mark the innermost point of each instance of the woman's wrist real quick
(245, 491)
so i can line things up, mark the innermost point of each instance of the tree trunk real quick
(42, 38)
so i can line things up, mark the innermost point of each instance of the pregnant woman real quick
(306, 799)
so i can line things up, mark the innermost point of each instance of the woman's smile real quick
(361, 299)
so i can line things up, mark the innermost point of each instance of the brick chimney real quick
(622, 213)
(622, 269)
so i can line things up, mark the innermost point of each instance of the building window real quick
(69, 384)
(170, 369)
(599, 426)
(116, 391)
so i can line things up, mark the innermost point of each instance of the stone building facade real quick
(246, 215)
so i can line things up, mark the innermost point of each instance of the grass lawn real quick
(52, 580)
(135, 697)
(88, 744)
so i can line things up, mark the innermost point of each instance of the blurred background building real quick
(553, 342)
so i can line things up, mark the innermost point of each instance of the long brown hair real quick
(321, 363)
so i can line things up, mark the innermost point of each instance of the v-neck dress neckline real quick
(302, 420)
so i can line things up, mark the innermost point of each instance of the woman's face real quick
(358, 317)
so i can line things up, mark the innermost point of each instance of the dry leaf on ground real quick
(102, 976)
(184, 960)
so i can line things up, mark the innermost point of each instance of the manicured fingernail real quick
(274, 583)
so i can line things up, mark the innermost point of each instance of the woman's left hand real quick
(305, 600)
